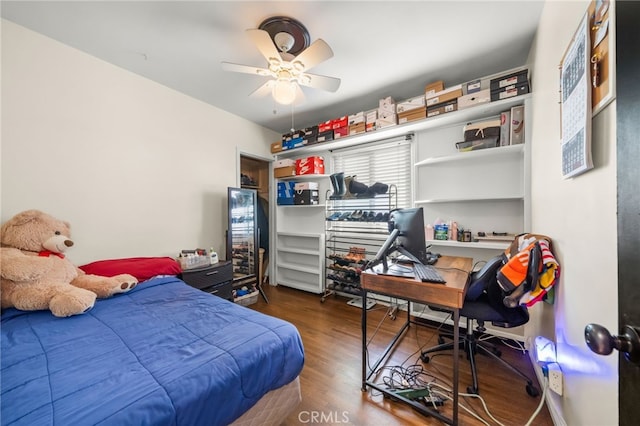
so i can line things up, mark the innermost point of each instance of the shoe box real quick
(412, 115)
(443, 108)
(310, 135)
(313, 165)
(306, 193)
(284, 168)
(432, 88)
(286, 191)
(453, 92)
(276, 147)
(474, 98)
(510, 85)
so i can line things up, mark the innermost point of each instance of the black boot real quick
(337, 180)
(356, 187)
(341, 190)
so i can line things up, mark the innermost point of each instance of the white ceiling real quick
(381, 48)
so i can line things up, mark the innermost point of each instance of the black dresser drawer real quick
(209, 276)
(224, 290)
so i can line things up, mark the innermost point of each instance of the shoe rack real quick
(355, 228)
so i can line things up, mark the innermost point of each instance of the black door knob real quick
(602, 342)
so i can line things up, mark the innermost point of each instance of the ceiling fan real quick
(284, 42)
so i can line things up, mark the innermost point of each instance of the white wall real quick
(137, 168)
(580, 215)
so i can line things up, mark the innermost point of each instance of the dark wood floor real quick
(331, 378)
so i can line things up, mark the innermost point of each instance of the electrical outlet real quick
(555, 377)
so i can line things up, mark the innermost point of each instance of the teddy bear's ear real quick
(26, 217)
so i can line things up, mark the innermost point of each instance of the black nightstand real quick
(215, 279)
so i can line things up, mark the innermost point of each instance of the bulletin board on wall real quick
(601, 15)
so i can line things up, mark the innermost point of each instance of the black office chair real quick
(485, 301)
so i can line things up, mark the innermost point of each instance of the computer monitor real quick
(406, 235)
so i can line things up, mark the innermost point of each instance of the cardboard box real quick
(306, 197)
(285, 193)
(442, 108)
(477, 98)
(310, 166)
(473, 86)
(282, 172)
(513, 79)
(338, 123)
(355, 129)
(387, 104)
(371, 116)
(325, 136)
(286, 189)
(299, 186)
(341, 132)
(276, 147)
(505, 128)
(445, 95)
(323, 127)
(510, 91)
(292, 143)
(369, 127)
(517, 125)
(412, 115)
(410, 104)
(432, 88)
(287, 162)
(356, 118)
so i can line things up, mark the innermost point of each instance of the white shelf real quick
(299, 268)
(300, 235)
(474, 155)
(471, 199)
(497, 245)
(298, 251)
(299, 285)
(449, 119)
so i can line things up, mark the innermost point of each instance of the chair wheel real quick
(424, 358)
(471, 389)
(532, 390)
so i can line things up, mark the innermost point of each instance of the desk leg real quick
(456, 362)
(363, 322)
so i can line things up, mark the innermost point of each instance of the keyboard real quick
(427, 273)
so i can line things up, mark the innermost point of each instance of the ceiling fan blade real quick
(319, 51)
(263, 90)
(330, 84)
(265, 45)
(228, 66)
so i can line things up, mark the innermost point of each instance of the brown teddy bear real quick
(36, 275)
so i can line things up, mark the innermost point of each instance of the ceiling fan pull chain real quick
(293, 129)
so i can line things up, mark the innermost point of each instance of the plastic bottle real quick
(213, 256)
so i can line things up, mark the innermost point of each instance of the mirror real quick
(242, 234)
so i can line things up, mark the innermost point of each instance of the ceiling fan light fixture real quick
(284, 92)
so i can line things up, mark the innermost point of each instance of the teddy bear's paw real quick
(125, 282)
(76, 302)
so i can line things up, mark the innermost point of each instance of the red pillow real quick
(142, 268)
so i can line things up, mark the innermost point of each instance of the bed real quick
(161, 354)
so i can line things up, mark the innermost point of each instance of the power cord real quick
(542, 398)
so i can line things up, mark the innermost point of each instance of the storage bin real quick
(247, 299)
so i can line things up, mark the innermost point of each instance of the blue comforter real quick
(162, 354)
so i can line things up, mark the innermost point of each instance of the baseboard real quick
(552, 403)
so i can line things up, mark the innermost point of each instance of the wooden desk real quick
(449, 296)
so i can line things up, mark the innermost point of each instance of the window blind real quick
(387, 162)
